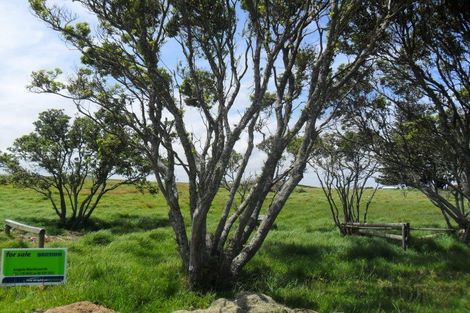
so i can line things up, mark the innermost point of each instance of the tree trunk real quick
(198, 250)
(212, 274)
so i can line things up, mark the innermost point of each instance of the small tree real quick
(71, 164)
(344, 166)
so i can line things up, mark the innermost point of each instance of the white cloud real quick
(26, 44)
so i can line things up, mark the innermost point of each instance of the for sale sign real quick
(33, 266)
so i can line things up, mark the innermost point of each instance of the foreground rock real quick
(248, 303)
(80, 307)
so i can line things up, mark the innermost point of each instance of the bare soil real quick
(80, 307)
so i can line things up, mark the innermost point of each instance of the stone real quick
(247, 303)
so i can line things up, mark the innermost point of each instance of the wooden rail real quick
(378, 230)
(381, 225)
(372, 230)
(444, 230)
(9, 224)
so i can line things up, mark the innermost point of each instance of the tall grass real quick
(127, 260)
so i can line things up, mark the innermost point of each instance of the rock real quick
(80, 307)
(248, 303)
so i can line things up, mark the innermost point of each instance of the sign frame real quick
(32, 279)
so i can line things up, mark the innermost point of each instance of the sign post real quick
(33, 266)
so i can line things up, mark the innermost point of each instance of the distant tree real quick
(71, 164)
(289, 48)
(344, 166)
(3, 179)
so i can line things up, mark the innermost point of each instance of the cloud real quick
(27, 44)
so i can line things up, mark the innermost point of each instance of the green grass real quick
(128, 260)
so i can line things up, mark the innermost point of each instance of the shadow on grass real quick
(361, 274)
(117, 224)
(127, 223)
(263, 274)
(281, 250)
(455, 255)
(370, 248)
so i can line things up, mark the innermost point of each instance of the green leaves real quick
(46, 81)
(57, 158)
(282, 12)
(80, 32)
(199, 90)
(39, 7)
(52, 124)
(207, 18)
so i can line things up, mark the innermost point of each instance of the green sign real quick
(33, 266)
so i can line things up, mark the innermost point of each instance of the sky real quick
(26, 45)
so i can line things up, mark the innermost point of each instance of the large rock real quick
(80, 307)
(248, 303)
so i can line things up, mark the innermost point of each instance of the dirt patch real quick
(71, 236)
(80, 307)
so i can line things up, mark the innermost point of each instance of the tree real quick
(71, 164)
(412, 154)
(344, 165)
(423, 86)
(288, 47)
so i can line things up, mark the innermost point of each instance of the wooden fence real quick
(41, 232)
(381, 230)
(435, 231)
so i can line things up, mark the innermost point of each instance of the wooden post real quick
(408, 234)
(466, 235)
(7, 229)
(42, 238)
(405, 232)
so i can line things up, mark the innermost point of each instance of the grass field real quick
(130, 264)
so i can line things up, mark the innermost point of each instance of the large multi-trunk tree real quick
(243, 68)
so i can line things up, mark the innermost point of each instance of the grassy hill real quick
(129, 262)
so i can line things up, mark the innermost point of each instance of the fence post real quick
(42, 238)
(408, 234)
(466, 235)
(7, 229)
(405, 232)
(403, 235)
